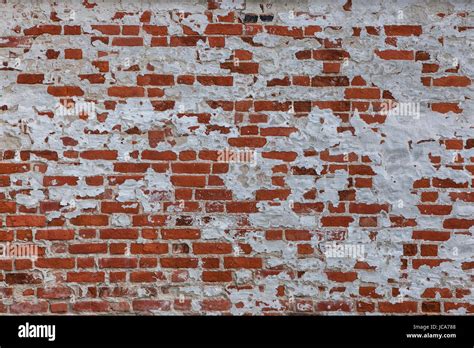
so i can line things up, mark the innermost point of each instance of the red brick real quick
(403, 307)
(107, 29)
(26, 221)
(215, 80)
(212, 248)
(458, 223)
(336, 221)
(85, 277)
(118, 263)
(99, 155)
(73, 53)
(182, 233)
(242, 262)
(395, 54)
(452, 81)
(189, 180)
(216, 276)
(156, 30)
(342, 277)
(30, 79)
(403, 30)
(431, 235)
(180, 262)
(155, 80)
(88, 248)
(127, 41)
(330, 54)
(120, 207)
(55, 234)
(65, 91)
(64, 263)
(223, 29)
(126, 92)
(43, 29)
(90, 220)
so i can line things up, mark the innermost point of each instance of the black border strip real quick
(243, 331)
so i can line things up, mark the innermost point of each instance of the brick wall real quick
(236, 157)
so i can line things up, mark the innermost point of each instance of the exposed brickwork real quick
(205, 159)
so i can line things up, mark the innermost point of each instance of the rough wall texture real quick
(236, 157)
